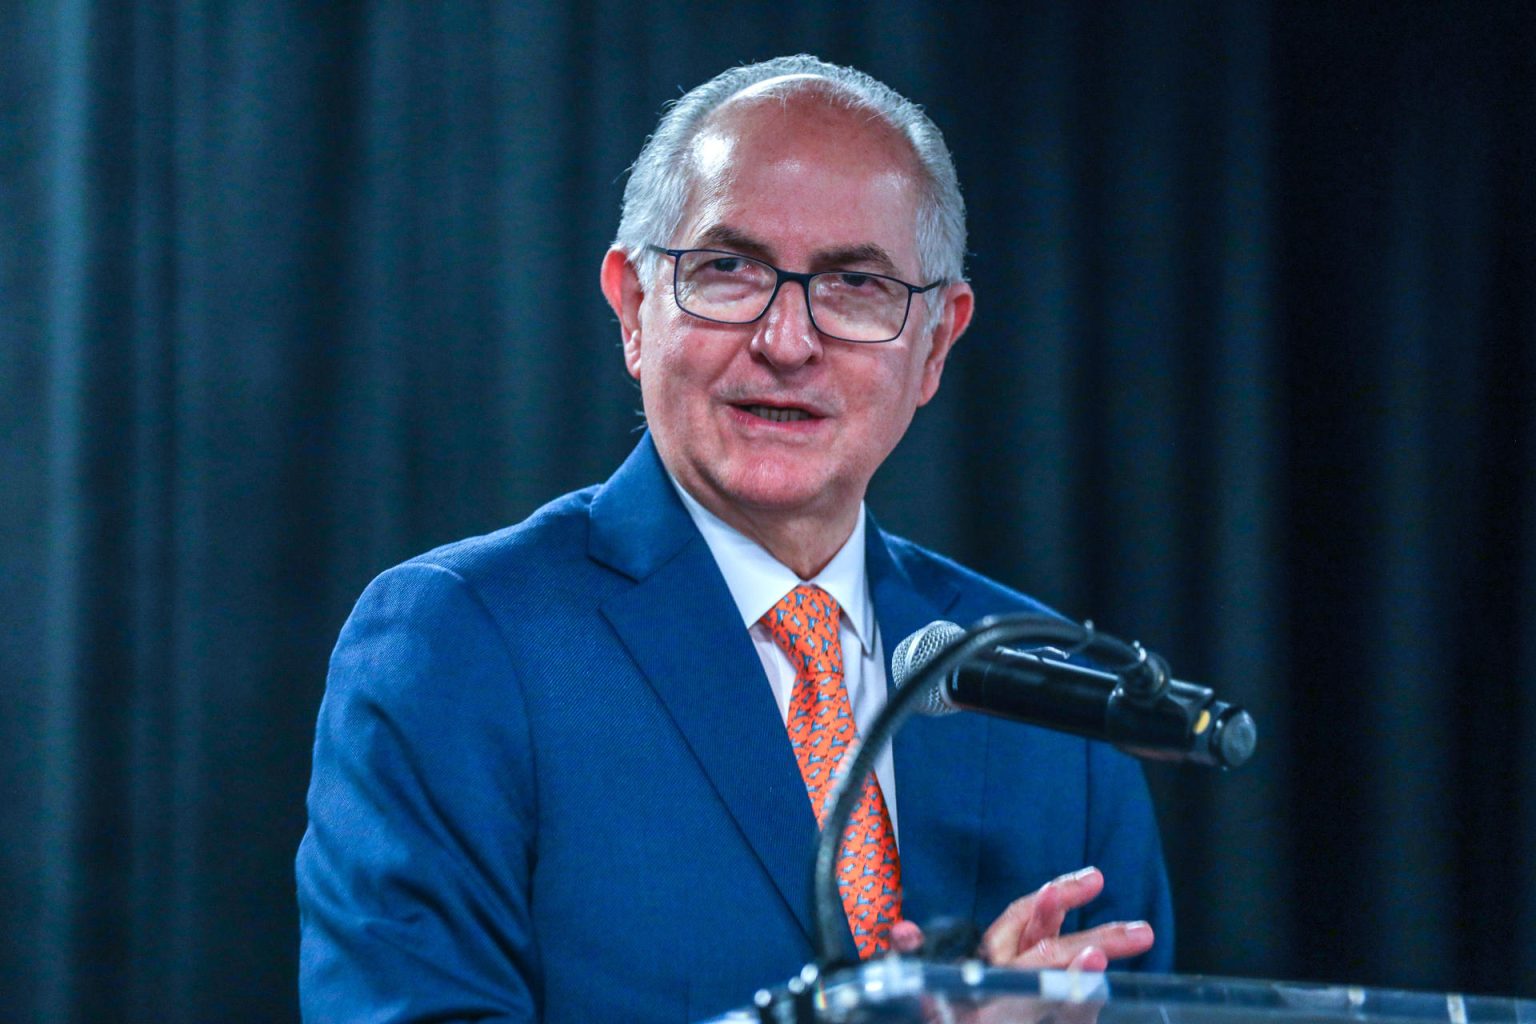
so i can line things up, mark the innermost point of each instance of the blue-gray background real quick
(290, 292)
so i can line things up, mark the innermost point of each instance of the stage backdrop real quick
(290, 292)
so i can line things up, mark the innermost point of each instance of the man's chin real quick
(786, 486)
(765, 489)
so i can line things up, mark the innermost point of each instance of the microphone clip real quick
(1143, 681)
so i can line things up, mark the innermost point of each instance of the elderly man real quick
(574, 771)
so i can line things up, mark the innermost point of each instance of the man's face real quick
(771, 421)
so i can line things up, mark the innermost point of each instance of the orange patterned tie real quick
(821, 729)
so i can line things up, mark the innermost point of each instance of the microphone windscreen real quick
(918, 650)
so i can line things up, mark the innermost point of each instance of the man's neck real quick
(805, 543)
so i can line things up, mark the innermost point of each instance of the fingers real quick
(1028, 934)
(906, 937)
(1091, 950)
(1038, 916)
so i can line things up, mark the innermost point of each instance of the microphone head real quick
(918, 650)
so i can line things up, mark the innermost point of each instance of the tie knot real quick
(804, 624)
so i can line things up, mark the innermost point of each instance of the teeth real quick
(769, 412)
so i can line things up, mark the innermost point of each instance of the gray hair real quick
(659, 181)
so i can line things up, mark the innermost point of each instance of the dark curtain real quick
(291, 292)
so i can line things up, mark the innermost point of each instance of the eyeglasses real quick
(729, 288)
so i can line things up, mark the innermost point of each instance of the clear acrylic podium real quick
(899, 990)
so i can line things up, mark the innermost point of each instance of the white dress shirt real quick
(757, 581)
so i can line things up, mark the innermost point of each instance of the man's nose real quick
(785, 336)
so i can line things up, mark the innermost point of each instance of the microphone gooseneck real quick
(942, 669)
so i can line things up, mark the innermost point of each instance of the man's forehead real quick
(871, 223)
(755, 152)
(711, 152)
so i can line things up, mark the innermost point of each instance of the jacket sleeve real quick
(413, 874)
(1123, 843)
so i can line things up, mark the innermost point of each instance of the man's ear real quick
(954, 318)
(621, 287)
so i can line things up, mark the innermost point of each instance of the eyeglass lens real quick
(737, 289)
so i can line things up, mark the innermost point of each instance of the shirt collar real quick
(757, 580)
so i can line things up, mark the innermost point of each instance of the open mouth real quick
(776, 414)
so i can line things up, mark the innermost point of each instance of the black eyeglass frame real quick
(800, 278)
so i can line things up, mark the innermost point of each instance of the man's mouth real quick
(775, 413)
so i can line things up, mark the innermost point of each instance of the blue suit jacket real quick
(551, 782)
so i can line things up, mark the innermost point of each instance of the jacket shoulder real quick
(979, 595)
(551, 540)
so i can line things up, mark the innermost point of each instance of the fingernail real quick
(1077, 876)
(1137, 926)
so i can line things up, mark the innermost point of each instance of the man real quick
(574, 770)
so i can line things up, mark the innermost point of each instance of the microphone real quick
(1185, 722)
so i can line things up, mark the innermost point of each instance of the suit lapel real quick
(682, 629)
(940, 762)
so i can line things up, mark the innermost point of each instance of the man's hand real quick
(1028, 936)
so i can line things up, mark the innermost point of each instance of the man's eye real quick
(848, 280)
(725, 264)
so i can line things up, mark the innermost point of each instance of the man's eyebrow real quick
(867, 253)
(726, 237)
